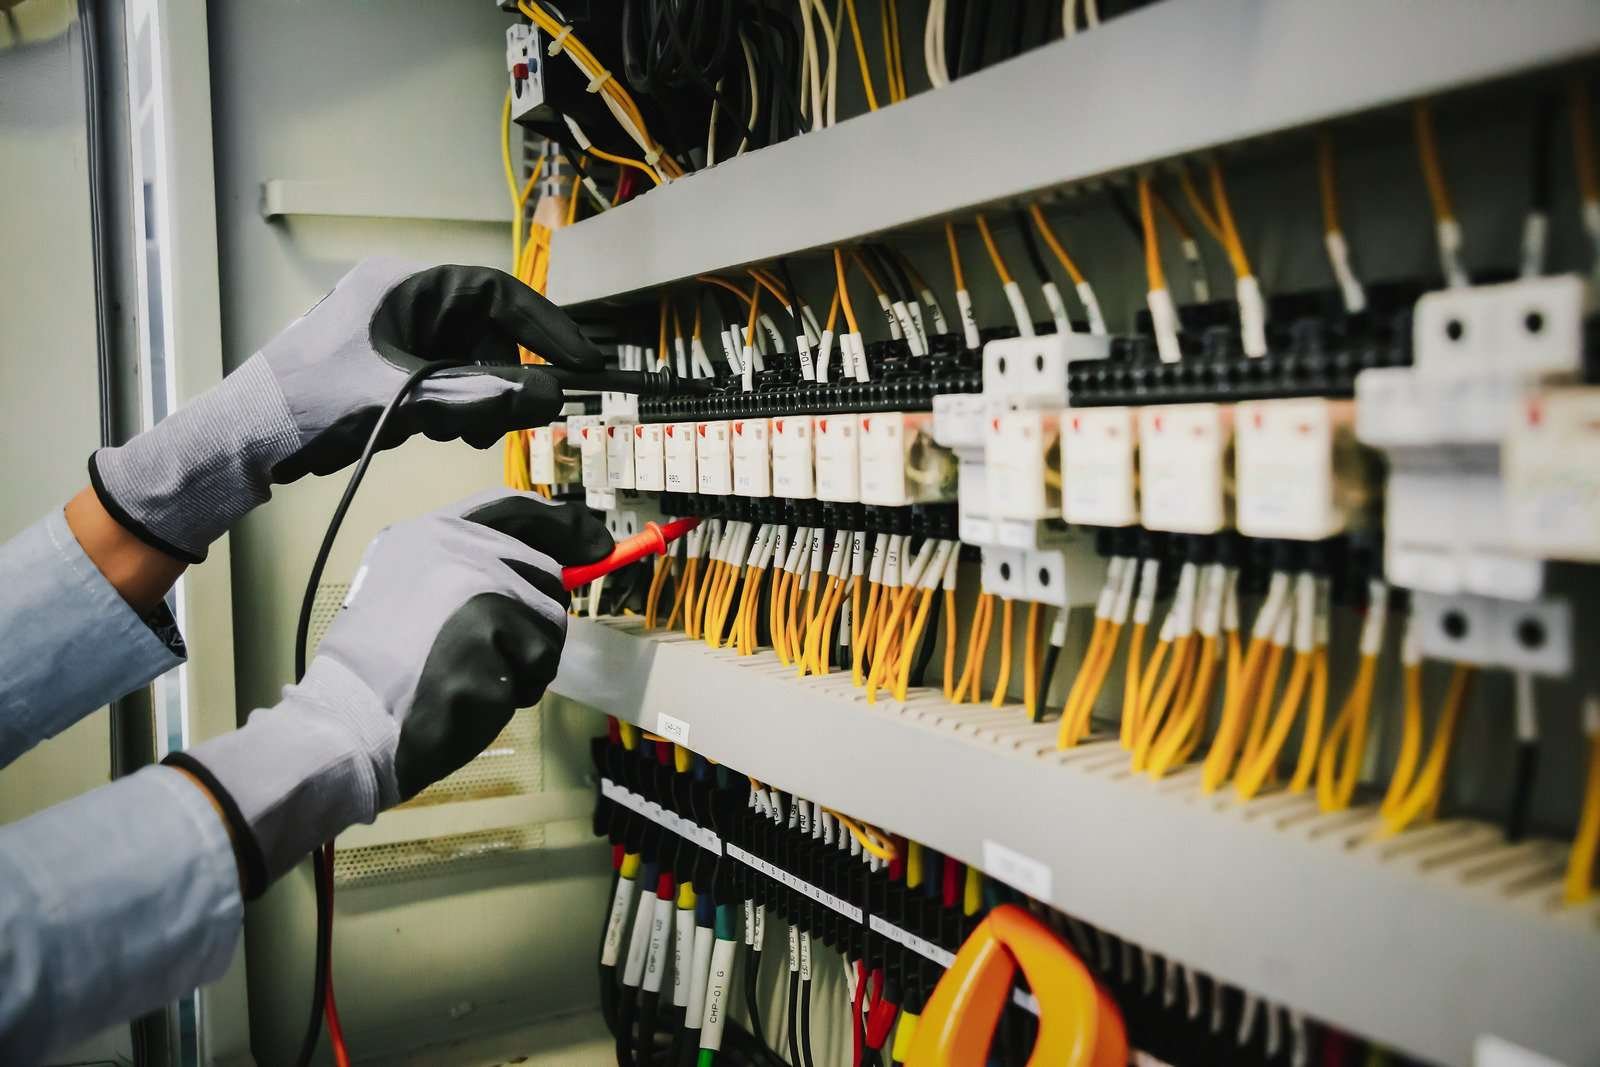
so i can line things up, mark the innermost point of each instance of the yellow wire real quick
(624, 161)
(1230, 231)
(1579, 882)
(1100, 668)
(1336, 780)
(1189, 721)
(830, 615)
(1327, 184)
(1054, 243)
(887, 632)
(1262, 711)
(949, 643)
(880, 846)
(1197, 204)
(994, 250)
(1225, 746)
(1423, 799)
(1432, 170)
(1066, 733)
(861, 56)
(723, 283)
(844, 292)
(1154, 712)
(1132, 678)
(1410, 740)
(505, 147)
(1030, 662)
(903, 683)
(1003, 681)
(955, 255)
(1253, 774)
(684, 591)
(863, 634)
(1154, 278)
(1316, 712)
(978, 651)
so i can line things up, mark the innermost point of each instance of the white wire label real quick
(674, 730)
(1016, 870)
(906, 939)
(799, 885)
(687, 829)
(617, 921)
(938, 955)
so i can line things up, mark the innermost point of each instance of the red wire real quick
(330, 1009)
(857, 1023)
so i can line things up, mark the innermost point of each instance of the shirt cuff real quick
(115, 902)
(72, 643)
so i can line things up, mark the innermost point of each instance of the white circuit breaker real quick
(1185, 458)
(1446, 421)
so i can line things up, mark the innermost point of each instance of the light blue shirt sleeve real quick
(111, 904)
(68, 641)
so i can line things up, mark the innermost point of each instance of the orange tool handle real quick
(651, 541)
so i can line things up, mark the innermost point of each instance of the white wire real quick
(755, 94)
(811, 70)
(831, 95)
(933, 45)
(1069, 17)
(711, 127)
(1091, 12)
(833, 67)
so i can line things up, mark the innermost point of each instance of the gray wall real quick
(328, 92)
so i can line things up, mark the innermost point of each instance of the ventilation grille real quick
(512, 765)
(384, 864)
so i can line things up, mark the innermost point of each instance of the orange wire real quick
(712, 279)
(843, 292)
(1054, 244)
(1325, 181)
(1152, 250)
(955, 255)
(1432, 171)
(1198, 205)
(994, 251)
(1230, 231)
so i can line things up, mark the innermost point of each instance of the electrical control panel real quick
(1292, 563)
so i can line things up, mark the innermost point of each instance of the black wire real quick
(955, 13)
(308, 1044)
(794, 1018)
(895, 273)
(1522, 790)
(1544, 121)
(805, 1023)
(1051, 656)
(751, 1007)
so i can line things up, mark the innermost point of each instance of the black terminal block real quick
(1315, 349)
(900, 382)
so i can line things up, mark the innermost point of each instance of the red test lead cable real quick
(651, 541)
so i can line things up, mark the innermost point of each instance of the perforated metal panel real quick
(512, 765)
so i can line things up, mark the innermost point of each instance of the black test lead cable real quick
(322, 858)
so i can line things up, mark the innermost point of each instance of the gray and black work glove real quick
(307, 402)
(453, 621)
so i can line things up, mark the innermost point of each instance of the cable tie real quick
(651, 155)
(598, 82)
(558, 40)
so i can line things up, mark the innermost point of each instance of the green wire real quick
(708, 1056)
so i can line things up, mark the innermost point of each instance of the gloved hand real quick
(307, 402)
(453, 621)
